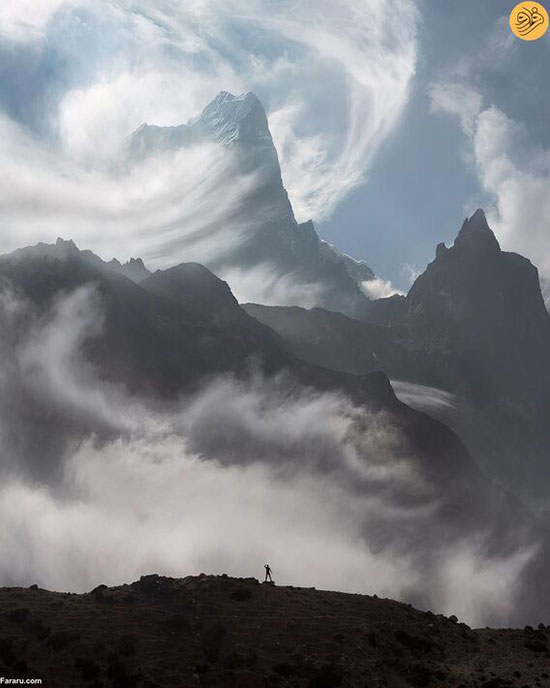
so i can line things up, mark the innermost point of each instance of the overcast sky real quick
(394, 119)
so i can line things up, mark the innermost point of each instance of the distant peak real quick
(230, 118)
(230, 105)
(479, 216)
(476, 235)
(226, 96)
(194, 287)
(227, 119)
(134, 269)
(63, 249)
(477, 223)
(67, 244)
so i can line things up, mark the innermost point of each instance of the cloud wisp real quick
(379, 288)
(425, 398)
(165, 200)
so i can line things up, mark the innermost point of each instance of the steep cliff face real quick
(477, 316)
(474, 324)
(181, 327)
(486, 304)
(273, 240)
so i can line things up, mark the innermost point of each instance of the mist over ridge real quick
(192, 378)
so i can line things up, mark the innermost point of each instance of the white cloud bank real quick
(379, 288)
(514, 171)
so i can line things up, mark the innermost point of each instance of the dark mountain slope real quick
(166, 343)
(134, 269)
(231, 632)
(162, 336)
(333, 340)
(486, 307)
(474, 323)
(479, 313)
(170, 334)
(150, 343)
(181, 328)
(196, 290)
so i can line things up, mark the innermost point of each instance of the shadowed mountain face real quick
(333, 340)
(174, 329)
(181, 328)
(474, 323)
(159, 338)
(478, 318)
(485, 306)
(134, 269)
(178, 330)
(195, 289)
(273, 243)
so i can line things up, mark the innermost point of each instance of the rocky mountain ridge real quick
(179, 329)
(236, 633)
(473, 324)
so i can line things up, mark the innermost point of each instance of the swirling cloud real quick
(334, 79)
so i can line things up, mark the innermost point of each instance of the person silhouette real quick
(268, 577)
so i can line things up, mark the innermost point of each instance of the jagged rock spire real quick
(476, 235)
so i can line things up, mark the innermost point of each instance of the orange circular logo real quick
(529, 21)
